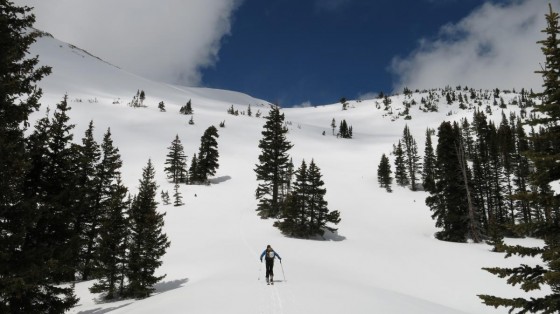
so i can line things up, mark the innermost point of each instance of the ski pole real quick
(282, 266)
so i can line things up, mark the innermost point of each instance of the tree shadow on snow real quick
(159, 288)
(170, 285)
(103, 311)
(219, 180)
(329, 236)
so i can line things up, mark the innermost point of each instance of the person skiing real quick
(269, 254)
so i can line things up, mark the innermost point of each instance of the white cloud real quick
(169, 40)
(368, 95)
(495, 46)
(305, 104)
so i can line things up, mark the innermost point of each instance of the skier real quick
(269, 254)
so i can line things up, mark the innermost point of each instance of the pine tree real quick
(148, 243)
(333, 125)
(165, 198)
(294, 215)
(141, 98)
(306, 214)
(54, 188)
(320, 216)
(273, 161)
(411, 158)
(108, 174)
(249, 112)
(188, 108)
(428, 168)
(208, 154)
(545, 154)
(110, 259)
(86, 193)
(448, 200)
(177, 196)
(384, 173)
(176, 162)
(161, 106)
(21, 291)
(401, 176)
(343, 129)
(194, 175)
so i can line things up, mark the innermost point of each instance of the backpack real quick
(270, 254)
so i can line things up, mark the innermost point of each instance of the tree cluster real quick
(187, 108)
(299, 205)
(344, 130)
(138, 99)
(203, 165)
(305, 213)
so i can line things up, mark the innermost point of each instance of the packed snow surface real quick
(384, 258)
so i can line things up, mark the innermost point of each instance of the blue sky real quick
(293, 51)
(309, 52)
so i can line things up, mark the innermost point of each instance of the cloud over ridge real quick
(168, 40)
(495, 46)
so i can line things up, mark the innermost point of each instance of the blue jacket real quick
(275, 255)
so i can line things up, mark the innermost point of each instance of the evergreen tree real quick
(176, 162)
(148, 243)
(344, 131)
(110, 260)
(177, 196)
(384, 173)
(273, 161)
(141, 98)
(86, 193)
(401, 176)
(249, 112)
(306, 213)
(545, 154)
(21, 291)
(108, 174)
(161, 106)
(448, 200)
(333, 125)
(194, 175)
(165, 198)
(319, 215)
(208, 154)
(428, 169)
(188, 108)
(411, 158)
(53, 190)
(294, 215)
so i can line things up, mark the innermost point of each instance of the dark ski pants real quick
(269, 268)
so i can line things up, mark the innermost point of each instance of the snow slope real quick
(384, 258)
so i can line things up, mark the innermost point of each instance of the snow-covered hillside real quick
(384, 258)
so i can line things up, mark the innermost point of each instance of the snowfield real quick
(384, 258)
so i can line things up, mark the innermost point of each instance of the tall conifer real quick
(544, 157)
(384, 173)
(176, 162)
(273, 162)
(148, 243)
